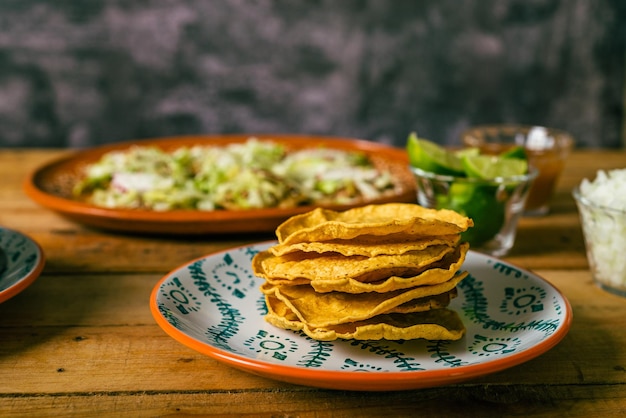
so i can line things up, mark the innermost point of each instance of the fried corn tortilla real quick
(323, 309)
(367, 246)
(438, 324)
(438, 272)
(324, 224)
(380, 271)
(278, 307)
(435, 273)
(427, 303)
(332, 266)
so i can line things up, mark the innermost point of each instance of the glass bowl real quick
(604, 232)
(494, 205)
(546, 148)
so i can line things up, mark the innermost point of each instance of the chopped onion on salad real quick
(251, 175)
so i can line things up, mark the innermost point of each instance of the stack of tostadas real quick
(374, 272)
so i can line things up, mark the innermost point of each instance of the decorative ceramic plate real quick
(51, 186)
(214, 305)
(21, 262)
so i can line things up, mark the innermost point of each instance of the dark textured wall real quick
(81, 73)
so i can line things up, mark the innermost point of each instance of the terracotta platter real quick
(51, 186)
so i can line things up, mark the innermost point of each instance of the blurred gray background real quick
(83, 73)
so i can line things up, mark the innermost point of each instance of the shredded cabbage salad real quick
(250, 175)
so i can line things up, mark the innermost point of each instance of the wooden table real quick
(81, 340)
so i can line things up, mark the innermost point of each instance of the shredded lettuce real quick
(251, 175)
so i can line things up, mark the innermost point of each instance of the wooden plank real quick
(585, 164)
(144, 358)
(71, 359)
(543, 242)
(81, 340)
(551, 241)
(79, 300)
(467, 401)
(547, 242)
(99, 336)
(122, 299)
(88, 251)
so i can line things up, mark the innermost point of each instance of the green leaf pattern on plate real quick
(216, 300)
(21, 257)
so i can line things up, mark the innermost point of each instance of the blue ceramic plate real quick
(21, 262)
(214, 305)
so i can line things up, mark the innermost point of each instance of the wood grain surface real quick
(80, 341)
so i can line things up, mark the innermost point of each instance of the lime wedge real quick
(431, 157)
(467, 151)
(516, 152)
(491, 167)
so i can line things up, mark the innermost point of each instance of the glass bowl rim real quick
(566, 139)
(588, 203)
(531, 175)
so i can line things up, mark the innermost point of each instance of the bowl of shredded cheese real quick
(602, 207)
